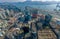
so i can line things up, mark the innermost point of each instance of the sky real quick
(44, 0)
(25, 0)
(12, 0)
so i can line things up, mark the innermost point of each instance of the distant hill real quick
(32, 2)
(14, 5)
(36, 2)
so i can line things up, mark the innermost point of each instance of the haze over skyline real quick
(25, 0)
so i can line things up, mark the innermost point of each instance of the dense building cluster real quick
(28, 24)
